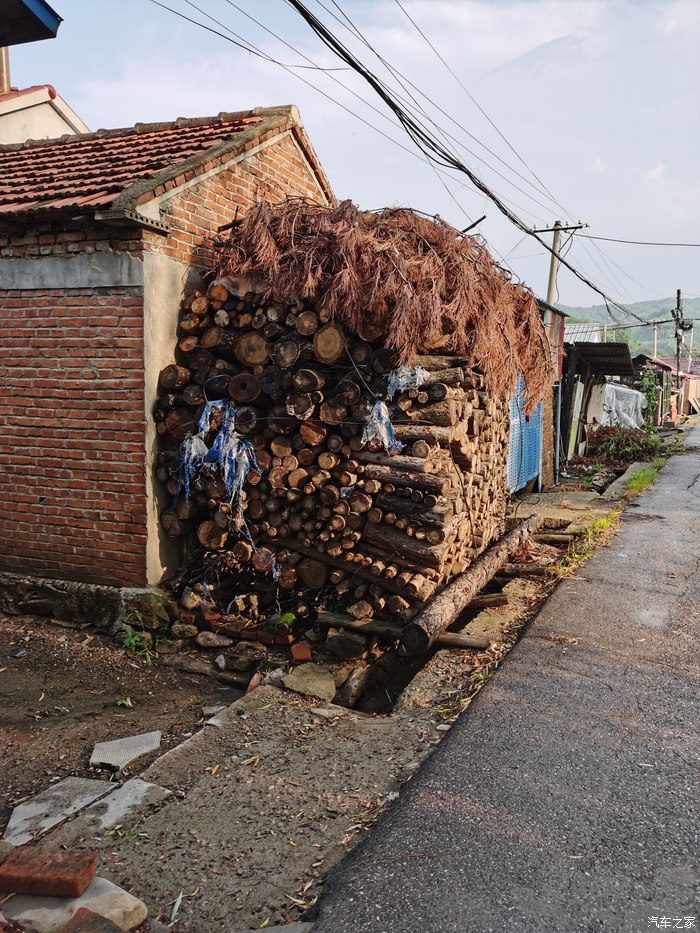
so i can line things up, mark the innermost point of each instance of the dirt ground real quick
(265, 803)
(63, 695)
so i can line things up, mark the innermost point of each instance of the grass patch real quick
(597, 534)
(640, 481)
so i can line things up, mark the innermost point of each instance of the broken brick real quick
(48, 874)
(87, 921)
(301, 652)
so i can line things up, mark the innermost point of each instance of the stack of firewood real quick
(321, 507)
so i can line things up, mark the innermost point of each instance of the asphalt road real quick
(566, 798)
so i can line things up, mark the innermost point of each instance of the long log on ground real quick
(523, 570)
(487, 600)
(554, 538)
(391, 632)
(442, 611)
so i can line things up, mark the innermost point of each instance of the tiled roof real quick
(90, 171)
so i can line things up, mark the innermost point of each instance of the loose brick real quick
(48, 874)
(86, 921)
(301, 652)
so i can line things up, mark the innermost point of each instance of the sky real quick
(583, 111)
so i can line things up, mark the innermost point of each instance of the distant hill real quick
(640, 338)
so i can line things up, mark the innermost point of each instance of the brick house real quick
(100, 236)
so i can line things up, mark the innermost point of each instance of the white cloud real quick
(657, 172)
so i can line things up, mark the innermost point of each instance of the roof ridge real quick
(140, 128)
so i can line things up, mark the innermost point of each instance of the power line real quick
(243, 43)
(403, 80)
(265, 57)
(471, 97)
(609, 239)
(434, 149)
(432, 152)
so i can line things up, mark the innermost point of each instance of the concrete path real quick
(566, 799)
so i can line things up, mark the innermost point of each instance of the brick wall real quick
(72, 489)
(68, 239)
(548, 439)
(195, 214)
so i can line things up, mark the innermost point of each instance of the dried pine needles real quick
(416, 282)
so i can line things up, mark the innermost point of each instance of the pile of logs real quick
(377, 533)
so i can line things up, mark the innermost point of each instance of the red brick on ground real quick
(48, 874)
(87, 921)
(301, 652)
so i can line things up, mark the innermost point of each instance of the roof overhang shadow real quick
(27, 21)
(604, 359)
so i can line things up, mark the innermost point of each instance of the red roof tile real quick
(25, 91)
(95, 168)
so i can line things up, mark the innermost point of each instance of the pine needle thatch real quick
(416, 281)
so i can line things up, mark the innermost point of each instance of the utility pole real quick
(678, 320)
(554, 263)
(690, 347)
(557, 230)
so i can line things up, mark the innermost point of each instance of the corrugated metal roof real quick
(606, 359)
(587, 332)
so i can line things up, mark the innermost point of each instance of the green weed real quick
(121, 832)
(630, 444)
(639, 482)
(135, 643)
(597, 534)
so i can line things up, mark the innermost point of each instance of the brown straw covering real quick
(417, 282)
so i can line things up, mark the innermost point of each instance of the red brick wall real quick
(195, 214)
(66, 240)
(72, 452)
(548, 439)
(72, 486)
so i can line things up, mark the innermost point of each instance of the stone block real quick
(65, 873)
(123, 807)
(119, 753)
(346, 645)
(52, 807)
(311, 680)
(213, 640)
(181, 630)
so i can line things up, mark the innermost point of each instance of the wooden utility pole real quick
(557, 230)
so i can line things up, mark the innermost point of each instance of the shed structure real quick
(100, 236)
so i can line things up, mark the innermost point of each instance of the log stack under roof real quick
(347, 504)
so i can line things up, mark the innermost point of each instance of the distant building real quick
(36, 113)
(588, 332)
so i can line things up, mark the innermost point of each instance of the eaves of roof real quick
(27, 21)
(605, 359)
(274, 121)
(545, 306)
